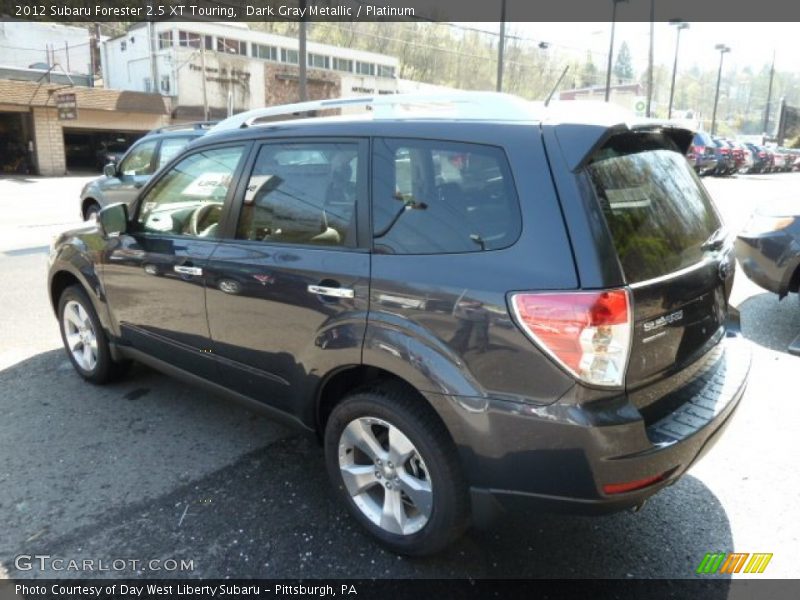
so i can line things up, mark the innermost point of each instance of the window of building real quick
(343, 64)
(165, 84)
(164, 40)
(318, 61)
(290, 56)
(436, 197)
(123, 45)
(209, 42)
(187, 39)
(229, 46)
(265, 52)
(385, 71)
(363, 68)
(302, 194)
(188, 199)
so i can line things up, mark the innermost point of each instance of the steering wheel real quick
(201, 216)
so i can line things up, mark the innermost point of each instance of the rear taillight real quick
(587, 333)
(723, 150)
(762, 154)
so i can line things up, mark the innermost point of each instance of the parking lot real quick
(150, 468)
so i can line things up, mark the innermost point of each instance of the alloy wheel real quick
(385, 475)
(80, 335)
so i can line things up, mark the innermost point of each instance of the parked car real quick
(768, 248)
(122, 180)
(702, 154)
(760, 158)
(726, 164)
(474, 301)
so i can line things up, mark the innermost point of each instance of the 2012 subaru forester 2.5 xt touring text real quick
(474, 301)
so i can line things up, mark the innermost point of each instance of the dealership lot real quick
(152, 469)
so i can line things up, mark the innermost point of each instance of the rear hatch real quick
(672, 250)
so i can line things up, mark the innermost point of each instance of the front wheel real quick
(91, 212)
(84, 339)
(391, 460)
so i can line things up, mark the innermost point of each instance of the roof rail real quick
(452, 105)
(185, 127)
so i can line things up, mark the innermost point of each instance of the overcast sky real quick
(751, 43)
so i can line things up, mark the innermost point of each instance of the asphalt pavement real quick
(153, 469)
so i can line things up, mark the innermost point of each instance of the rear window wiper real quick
(716, 240)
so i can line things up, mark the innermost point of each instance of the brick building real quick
(35, 140)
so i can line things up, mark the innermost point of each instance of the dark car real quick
(726, 163)
(475, 302)
(768, 248)
(124, 176)
(702, 154)
(761, 160)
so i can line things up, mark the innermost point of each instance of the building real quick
(211, 69)
(39, 62)
(624, 95)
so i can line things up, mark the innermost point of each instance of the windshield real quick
(657, 210)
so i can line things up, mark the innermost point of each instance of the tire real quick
(439, 511)
(84, 339)
(91, 211)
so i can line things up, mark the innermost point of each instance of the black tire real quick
(105, 369)
(91, 211)
(410, 414)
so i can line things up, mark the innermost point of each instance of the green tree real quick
(588, 73)
(623, 67)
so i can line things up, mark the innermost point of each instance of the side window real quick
(432, 197)
(140, 160)
(302, 193)
(188, 199)
(170, 148)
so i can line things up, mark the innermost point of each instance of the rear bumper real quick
(560, 457)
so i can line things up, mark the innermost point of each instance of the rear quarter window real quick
(657, 211)
(437, 197)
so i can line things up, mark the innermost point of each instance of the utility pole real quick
(769, 95)
(302, 57)
(203, 78)
(501, 47)
(650, 60)
(723, 49)
(679, 26)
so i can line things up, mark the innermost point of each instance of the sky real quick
(751, 43)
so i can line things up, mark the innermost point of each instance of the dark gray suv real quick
(474, 302)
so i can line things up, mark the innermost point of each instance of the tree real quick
(623, 67)
(588, 74)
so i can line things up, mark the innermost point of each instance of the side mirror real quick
(110, 170)
(113, 219)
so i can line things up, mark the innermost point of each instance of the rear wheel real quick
(391, 460)
(84, 339)
(91, 211)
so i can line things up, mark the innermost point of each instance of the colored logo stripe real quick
(720, 562)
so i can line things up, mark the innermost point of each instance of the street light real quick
(723, 49)
(611, 45)
(679, 26)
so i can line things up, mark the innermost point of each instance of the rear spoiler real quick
(579, 141)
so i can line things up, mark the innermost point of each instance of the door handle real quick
(185, 270)
(333, 292)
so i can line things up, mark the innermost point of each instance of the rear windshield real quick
(657, 211)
